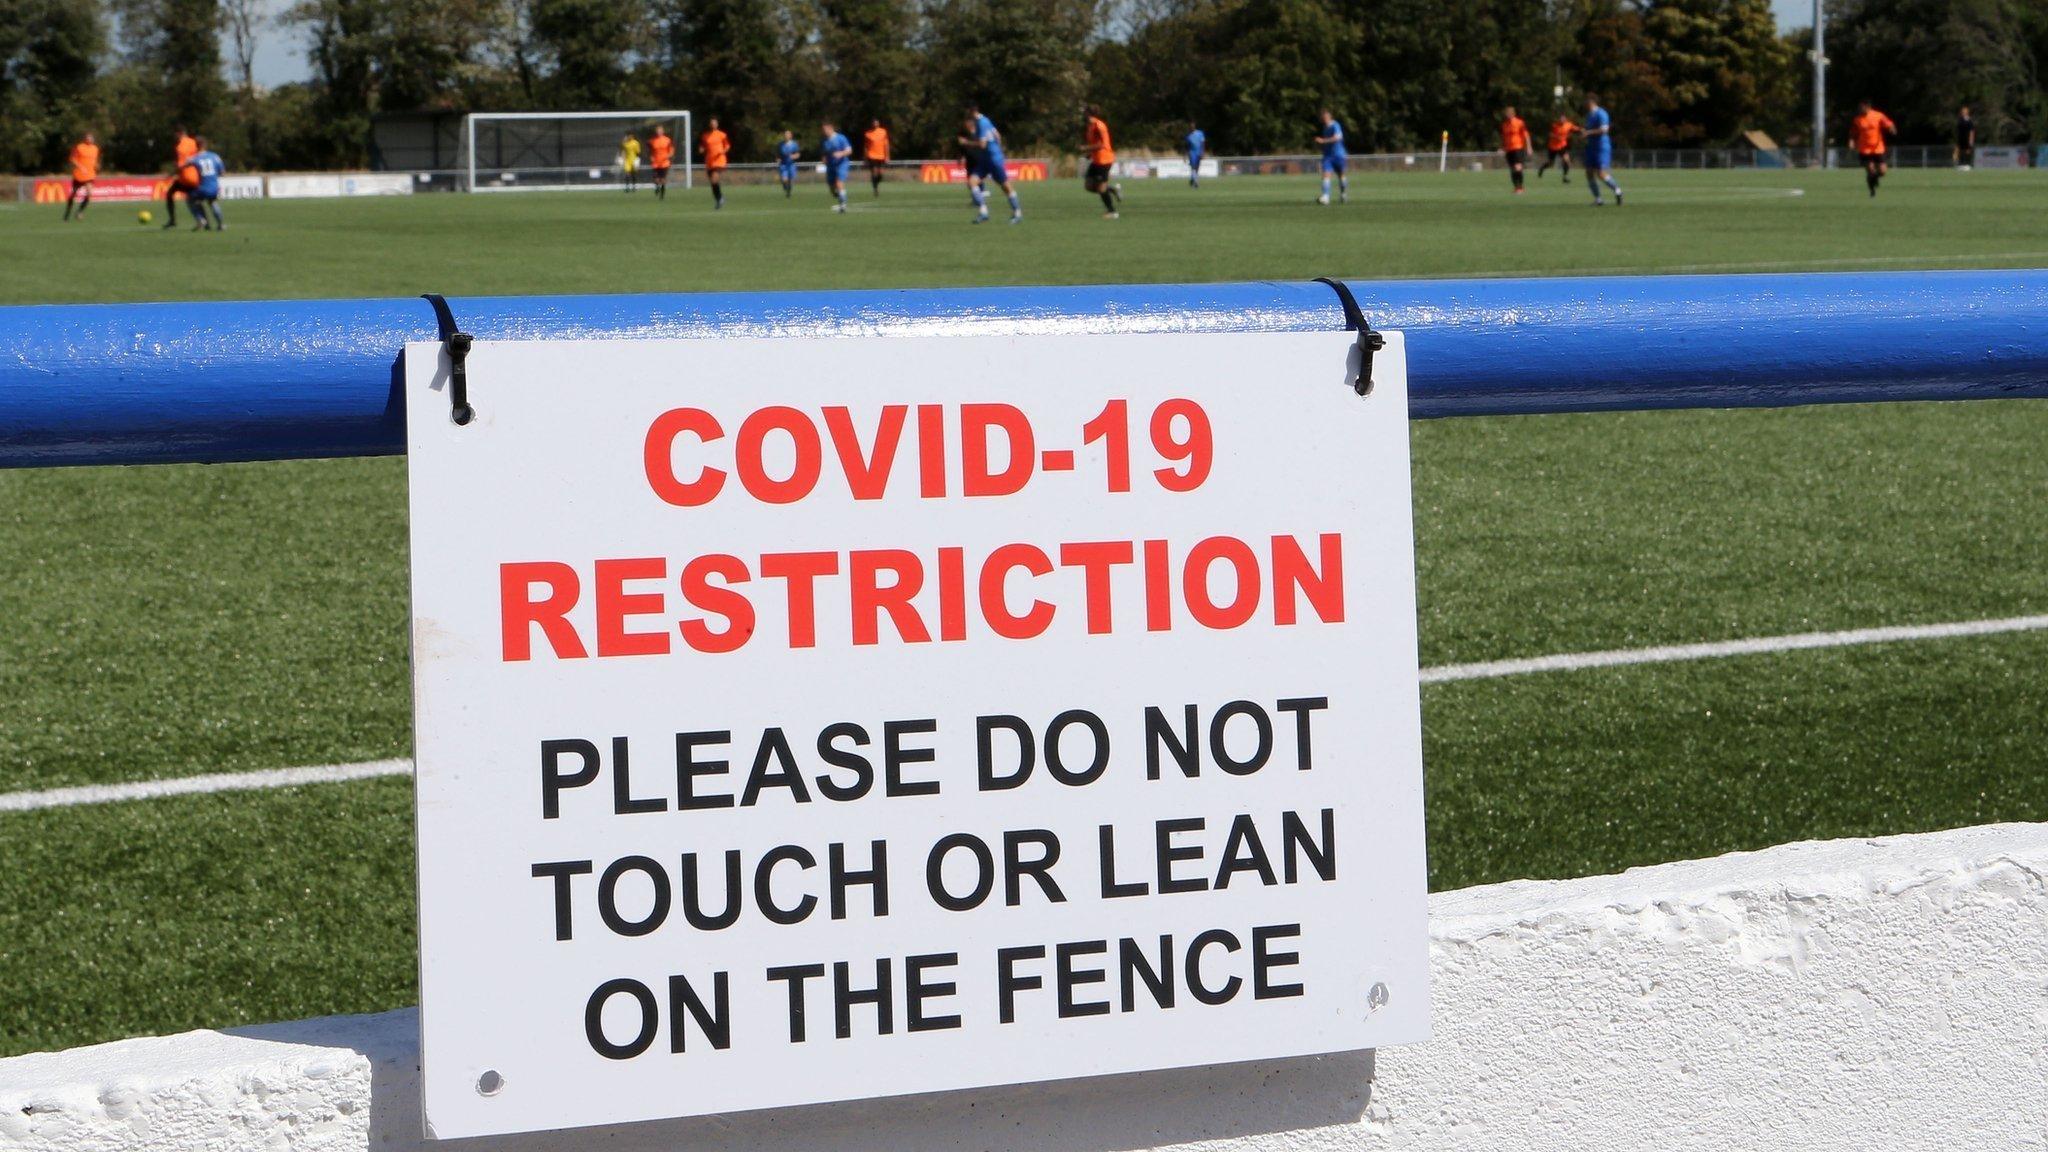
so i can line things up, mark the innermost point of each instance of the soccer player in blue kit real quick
(1196, 143)
(785, 161)
(838, 153)
(985, 153)
(1599, 150)
(204, 196)
(1335, 159)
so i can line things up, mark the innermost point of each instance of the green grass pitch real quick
(180, 620)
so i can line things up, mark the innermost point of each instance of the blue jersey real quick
(990, 140)
(209, 167)
(832, 144)
(1196, 143)
(1334, 150)
(1603, 144)
(786, 154)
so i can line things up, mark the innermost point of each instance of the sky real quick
(281, 51)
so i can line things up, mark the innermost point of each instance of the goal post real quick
(563, 151)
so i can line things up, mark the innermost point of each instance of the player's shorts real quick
(1338, 163)
(1518, 156)
(991, 167)
(874, 163)
(1601, 158)
(1559, 153)
(203, 193)
(76, 183)
(837, 172)
(1872, 157)
(785, 171)
(1966, 154)
(660, 171)
(715, 168)
(631, 165)
(1098, 173)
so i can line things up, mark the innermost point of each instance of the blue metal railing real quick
(151, 383)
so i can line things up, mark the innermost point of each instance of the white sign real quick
(815, 719)
(1178, 169)
(307, 186)
(376, 184)
(326, 184)
(241, 187)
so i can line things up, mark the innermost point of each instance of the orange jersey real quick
(1868, 132)
(1097, 142)
(661, 151)
(876, 141)
(715, 146)
(85, 161)
(187, 148)
(1514, 135)
(1561, 133)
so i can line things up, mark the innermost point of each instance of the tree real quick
(1155, 76)
(587, 47)
(1276, 63)
(867, 52)
(174, 45)
(48, 66)
(1023, 61)
(1614, 57)
(1920, 59)
(344, 38)
(1722, 65)
(724, 59)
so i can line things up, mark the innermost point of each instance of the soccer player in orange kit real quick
(85, 168)
(1559, 146)
(1514, 144)
(715, 148)
(1867, 133)
(180, 184)
(661, 152)
(1095, 142)
(874, 145)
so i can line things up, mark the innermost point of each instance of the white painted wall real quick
(1842, 995)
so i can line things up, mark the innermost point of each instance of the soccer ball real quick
(143, 217)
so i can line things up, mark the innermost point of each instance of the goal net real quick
(552, 151)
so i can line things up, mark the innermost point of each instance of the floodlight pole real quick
(1820, 84)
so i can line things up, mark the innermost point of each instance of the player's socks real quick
(717, 196)
(1016, 210)
(1325, 197)
(1108, 202)
(1117, 190)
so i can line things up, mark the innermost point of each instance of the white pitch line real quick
(201, 785)
(1671, 653)
(1442, 674)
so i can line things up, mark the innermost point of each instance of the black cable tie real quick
(458, 344)
(1369, 341)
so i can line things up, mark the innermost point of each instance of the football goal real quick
(553, 151)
